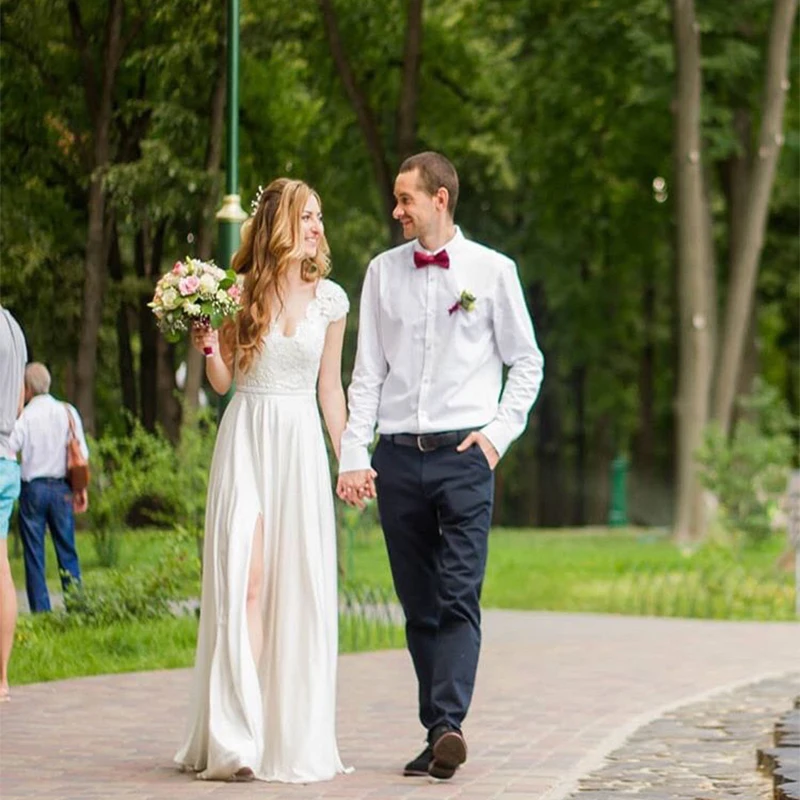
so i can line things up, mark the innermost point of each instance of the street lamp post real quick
(230, 216)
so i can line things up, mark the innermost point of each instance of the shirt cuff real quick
(353, 458)
(498, 434)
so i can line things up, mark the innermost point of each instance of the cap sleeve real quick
(334, 301)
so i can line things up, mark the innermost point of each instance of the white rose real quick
(222, 296)
(170, 299)
(192, 309)
(208, 284)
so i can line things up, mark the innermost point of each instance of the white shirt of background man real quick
(41, 435)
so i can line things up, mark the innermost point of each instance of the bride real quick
(264, 687)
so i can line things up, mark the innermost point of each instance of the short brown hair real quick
(436, 172)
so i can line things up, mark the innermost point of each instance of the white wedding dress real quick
(277, 717)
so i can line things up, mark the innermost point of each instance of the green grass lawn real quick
(625, 571)
(42, 654)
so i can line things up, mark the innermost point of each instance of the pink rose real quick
(234, 292)
(188, 285)
(178, 269)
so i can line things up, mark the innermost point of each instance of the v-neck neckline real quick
(301, 319)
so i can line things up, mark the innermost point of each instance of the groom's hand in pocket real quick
(357, 486)
(476, 437)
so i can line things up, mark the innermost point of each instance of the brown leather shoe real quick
(449, 752)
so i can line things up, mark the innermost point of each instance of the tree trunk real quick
(579, 502)
(735, 182)
(645, 485)
(695, 271)
(168, 408)
(148, 336)
(127, 371)
(644, 443)
(407, 104)
(598, 488)
(364, 113)
(745, 260)
(551, 470)
(195, 363)
(409, 91)
(99, 106)
(550, 491)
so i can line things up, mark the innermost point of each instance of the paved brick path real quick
(556, 693)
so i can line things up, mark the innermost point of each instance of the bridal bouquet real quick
(195, 293)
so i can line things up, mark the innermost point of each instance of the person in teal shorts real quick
(13, 355)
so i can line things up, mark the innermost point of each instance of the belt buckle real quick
(422, 449)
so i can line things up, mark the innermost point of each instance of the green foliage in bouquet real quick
(194, 292)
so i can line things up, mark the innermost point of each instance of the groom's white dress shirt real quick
(421, 368)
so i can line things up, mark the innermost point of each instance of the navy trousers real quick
(435, 510)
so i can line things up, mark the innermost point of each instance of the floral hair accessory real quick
(254, 203)
(466, 302)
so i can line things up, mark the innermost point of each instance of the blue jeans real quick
(47, 502)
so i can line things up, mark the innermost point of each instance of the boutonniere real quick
(466, 302)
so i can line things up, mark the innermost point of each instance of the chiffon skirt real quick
(278, 716)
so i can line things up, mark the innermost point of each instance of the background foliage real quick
(558, 116)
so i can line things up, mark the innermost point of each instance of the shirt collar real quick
(450, 245)
(39, 397)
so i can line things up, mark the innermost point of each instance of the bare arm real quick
(219, 365)
(329, 388)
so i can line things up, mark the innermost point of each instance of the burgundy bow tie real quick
(440, 259)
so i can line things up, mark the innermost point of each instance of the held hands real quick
(356, 486)
(476, 437)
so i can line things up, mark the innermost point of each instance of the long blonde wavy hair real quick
(271, 241)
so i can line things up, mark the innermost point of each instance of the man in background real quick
(46, 499)
(13, 355)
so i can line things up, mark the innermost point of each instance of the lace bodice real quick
(290, 364)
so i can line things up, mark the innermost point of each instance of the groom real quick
(439, 318)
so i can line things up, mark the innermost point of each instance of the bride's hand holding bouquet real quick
(205, 339)
(198, 296)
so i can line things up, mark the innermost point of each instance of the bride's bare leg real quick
(255, 579)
